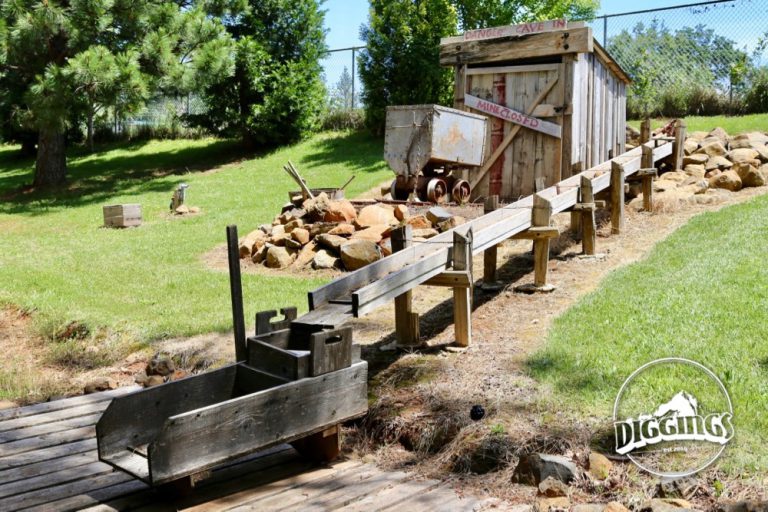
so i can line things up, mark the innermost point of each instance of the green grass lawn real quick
(731, 124)
(701, 294)
(150, 282)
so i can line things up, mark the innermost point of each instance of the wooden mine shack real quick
(555, 99)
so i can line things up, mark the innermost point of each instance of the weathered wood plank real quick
(44, 467)
(22, 459)
(258, 420)
(56, 478)
(67, 490)
(521, 29)
(404, 493)
(47, 428)
(524, 68)
(46, 440)
(64, 403)
(53, 416)
(406, 320)
(578, 40)
(511, 115)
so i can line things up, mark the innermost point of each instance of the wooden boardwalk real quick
(48, 461)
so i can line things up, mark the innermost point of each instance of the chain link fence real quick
(341, 77)
(706, 58)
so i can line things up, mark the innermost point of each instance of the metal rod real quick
(236, 290)
(605, 31)
(353, 79)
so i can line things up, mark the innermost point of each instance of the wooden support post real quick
(406, 321)
(678, 145)
(588, 226)
(617, 197)
(541, 232)
(646, 162)
(490, 255)
(645, 131)
(462, 297)
(576, 216)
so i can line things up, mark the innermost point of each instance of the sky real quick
(742, 21)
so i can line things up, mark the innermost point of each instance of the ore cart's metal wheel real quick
(436, 190)
(461, 191)
(398, 194)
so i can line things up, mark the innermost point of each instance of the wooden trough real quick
(290, 385)
(556, 102)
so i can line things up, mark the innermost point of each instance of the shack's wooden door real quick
(533, 159)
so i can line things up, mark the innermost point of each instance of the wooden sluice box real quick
(291, 385)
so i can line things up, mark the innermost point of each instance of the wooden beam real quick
(406, 321)
(537, 233)
(617, 197)
(511, 135)
(459, 86)
(462, 296)
(588, 226)
(490, 255)
(451, 279)
(546, 44)
(525, 68)
(541, 216)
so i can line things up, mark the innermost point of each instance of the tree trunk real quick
(51, 165)
(28, 145)
(90, 130)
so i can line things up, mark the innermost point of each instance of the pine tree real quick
(277, 94)
(64, 60)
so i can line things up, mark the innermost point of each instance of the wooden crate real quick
(122, 215)
(555, 101)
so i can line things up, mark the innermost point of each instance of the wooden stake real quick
(540, 217)
(678, 145)
(617, 197)
(406, 321)
(646, 162)
(462, 297)
(645, 131)
(490, 254)
(588, 227)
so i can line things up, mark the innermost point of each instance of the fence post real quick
(617, 197)
(605, 31)
(353, 77)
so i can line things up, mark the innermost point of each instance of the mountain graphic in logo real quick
(681, 405)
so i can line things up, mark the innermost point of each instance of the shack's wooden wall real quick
(531, 155)
(594, 120)
(599, 116)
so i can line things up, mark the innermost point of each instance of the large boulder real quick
(750, 175)
(374, 233)
(714, 148)
(451, 223)
(340, 211)
(306, 255)
(250, 240)
(437, 214)
(534, 468)
(720, 134)
(690, 145)
(278, 257)
(695, 159)
(343, 230)
(356, 254)
(325, 260)
(301, 235)
(697, 136)
(697, 171)
(317, 207)
(718, 162)
(375, 215)
(729, 180)
(425, 233)
(762, 151)
(418, 222)
(401, 212)
(742, 155)
(332, 242)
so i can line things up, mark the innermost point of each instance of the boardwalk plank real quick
(132, 488)
(65, 403)
(46, 466)
(47, 440)
(51, 479)
(22, 459)
(48, 428)
(67, 490)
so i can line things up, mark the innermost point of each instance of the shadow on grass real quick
(359, 151)
(97, 178)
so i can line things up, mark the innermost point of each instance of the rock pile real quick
(322, 233)
(713, 161)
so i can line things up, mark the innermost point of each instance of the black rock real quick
(477, 412)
